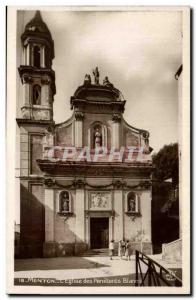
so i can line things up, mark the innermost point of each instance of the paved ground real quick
(92, 269)
(73, 267)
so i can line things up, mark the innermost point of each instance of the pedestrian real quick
(120, 250)
(123, 245)
(128, 251)
(111, 248)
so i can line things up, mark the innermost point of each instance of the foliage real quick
(166, 163)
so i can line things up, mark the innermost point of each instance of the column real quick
(45, 92)
(79, 129)
(42, 56)
(116, 131)
(49, 245)
(27, 81)
(80, 245)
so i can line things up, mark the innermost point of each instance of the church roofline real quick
(95, 168)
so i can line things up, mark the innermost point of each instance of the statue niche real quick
(64, 202)
(131, 202)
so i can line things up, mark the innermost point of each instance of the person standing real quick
(111, 249)
(128, 251)
(123, 246)
(120, 250)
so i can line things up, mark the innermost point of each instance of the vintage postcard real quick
(98, 193)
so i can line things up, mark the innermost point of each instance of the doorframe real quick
(98, 214)
(101, 217)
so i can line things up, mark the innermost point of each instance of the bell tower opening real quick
(37, 57)
(37, 95)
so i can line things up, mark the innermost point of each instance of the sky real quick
(140, 52)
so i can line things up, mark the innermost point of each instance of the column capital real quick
(116, 118)
(79, 116)
(27, 79)
(46, 81)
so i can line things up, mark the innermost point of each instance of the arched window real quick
(36, 94)
(64, 202)
(37, 57)
(132, 202)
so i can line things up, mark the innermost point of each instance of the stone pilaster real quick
(49, 249)
(45, 92)
(27, 81)
(116, 131)
(146, 221)
(80, 220)
(79, 129)
(118, 222)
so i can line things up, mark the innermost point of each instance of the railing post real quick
(149, 273)
(136, 267)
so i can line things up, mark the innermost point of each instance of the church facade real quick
(83, 182)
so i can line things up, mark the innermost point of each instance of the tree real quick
(166, 163)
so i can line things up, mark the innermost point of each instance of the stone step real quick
(96, 252)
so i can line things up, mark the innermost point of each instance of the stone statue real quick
(87, 79)
(65, 202)
(96, 75)
(98, 138)
(107, 83)
(131, 204)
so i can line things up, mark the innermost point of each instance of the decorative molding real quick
(78, 184)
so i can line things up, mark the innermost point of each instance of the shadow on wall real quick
(31, 243)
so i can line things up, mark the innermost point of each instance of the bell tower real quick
(37, 76)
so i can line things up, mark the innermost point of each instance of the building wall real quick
(72, 232)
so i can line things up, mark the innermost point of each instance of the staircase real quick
(172, 252)
(96, 252)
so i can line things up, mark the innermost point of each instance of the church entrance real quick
(99, 233)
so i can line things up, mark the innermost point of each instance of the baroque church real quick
(83, 182)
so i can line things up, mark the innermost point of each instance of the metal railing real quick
(151, 273)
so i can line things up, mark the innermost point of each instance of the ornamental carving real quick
(46, 81)
(79, 184)
(145, 134)
(118, 184)
(49, 182)
(27, 79)
(116, 118)
(100, 201)
(79, 116)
